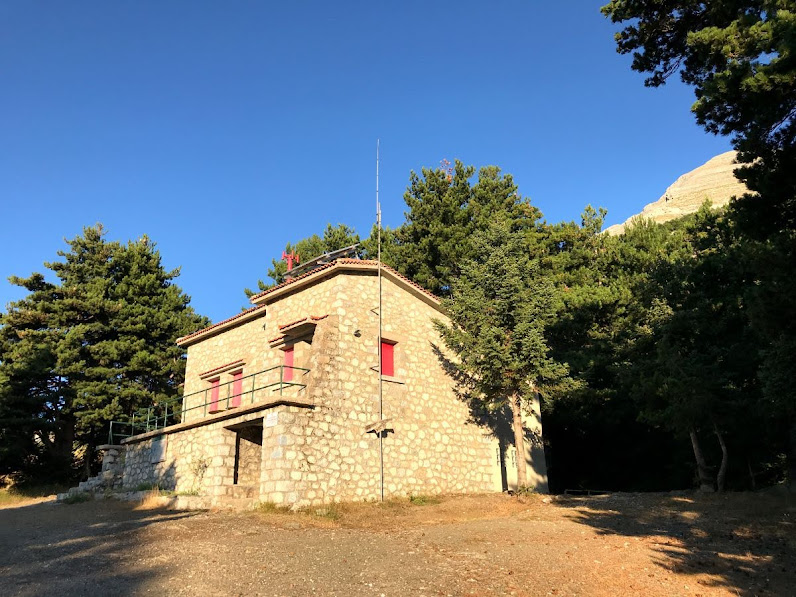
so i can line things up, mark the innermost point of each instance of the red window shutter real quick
(215, 384)
(237, 387)
(288, 370)
(388, 359)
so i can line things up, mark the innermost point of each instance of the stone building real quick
(282, 402)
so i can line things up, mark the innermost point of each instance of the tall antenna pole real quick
(381, 373)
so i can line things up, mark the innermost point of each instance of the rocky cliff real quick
(713, 180)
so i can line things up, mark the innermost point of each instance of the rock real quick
(713, 180)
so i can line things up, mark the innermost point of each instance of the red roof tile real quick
(287, 325)
(346, 261)
(411, 282)
(302, 320)
(320, 268)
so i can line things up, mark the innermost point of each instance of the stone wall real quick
(198, 459)
(250, 342)
(326, 451)
(431, 443)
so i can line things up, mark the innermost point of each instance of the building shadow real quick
(742, 542)
(497, 421)
(88, 548)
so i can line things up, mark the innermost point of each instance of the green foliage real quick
(147, 487)
(188, 492)
(739, 57)
(23, 493)
(271, 508)
(77, 498)
(501, 304)
(330, 512)
(424, 500)
(445, 210)
(90, 348)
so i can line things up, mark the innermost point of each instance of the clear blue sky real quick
(224, 130)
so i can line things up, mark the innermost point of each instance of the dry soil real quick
(623, 544)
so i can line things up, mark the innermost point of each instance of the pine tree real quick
(35, 430)
(500, 306)
(95, 346)
(445, 211)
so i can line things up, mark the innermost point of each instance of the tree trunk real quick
(792, 454)
(721, 476)
(61, 448)
(751, 474)
(519, 440)
(705, 480)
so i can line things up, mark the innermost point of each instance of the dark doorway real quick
(248, 454)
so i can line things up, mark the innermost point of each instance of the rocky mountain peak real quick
(714, 180)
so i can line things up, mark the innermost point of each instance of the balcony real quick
(256, 387)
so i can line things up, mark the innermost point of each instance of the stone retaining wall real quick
(197, 460)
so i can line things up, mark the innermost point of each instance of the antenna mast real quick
(381, 373)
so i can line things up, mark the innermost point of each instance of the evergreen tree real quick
(596, 437)
(35, 432)
(500, 306)
(445, 211)
(95, 346)
(738, 56)
(702, 373)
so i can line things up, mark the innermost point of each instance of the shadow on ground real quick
(79, 549)
(745, 543)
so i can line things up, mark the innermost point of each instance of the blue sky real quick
(224, 130)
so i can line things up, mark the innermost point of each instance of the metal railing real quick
(173, 411)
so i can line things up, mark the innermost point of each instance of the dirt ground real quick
(624, 544)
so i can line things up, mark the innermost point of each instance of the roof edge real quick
(224, 324)
(327, 270)
(330, 269)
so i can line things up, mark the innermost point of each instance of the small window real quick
(287, 372)
(388, 358)
(237, 387)
(215, 385)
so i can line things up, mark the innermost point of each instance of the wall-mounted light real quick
(358, 333)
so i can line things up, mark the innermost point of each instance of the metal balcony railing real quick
(173, 411)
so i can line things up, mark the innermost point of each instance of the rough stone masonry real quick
(282, 402)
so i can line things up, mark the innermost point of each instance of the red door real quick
(388, 359)
(237, 387)
(214, 387)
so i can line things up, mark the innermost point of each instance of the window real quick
(215, 385)
(287, 371)
(388, 358)
(237, 387)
